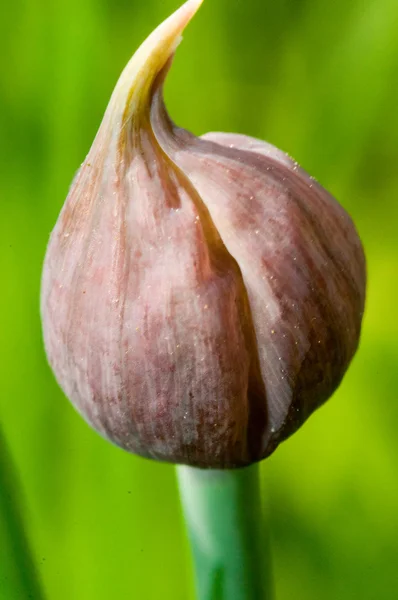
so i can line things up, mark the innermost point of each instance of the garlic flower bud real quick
(200, 296)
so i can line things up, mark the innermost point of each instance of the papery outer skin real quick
(200, 296)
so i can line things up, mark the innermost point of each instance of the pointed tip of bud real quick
(188, 9)
(150, 58)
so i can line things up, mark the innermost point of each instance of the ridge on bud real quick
(200, 296)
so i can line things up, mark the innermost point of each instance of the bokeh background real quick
(318, 79)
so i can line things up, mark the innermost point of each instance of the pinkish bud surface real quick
(200, 296)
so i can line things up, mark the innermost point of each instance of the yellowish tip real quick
(135, 81)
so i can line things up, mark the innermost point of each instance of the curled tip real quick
(186, 11)
(135, 82)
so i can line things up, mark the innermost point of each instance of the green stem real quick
(223, 514)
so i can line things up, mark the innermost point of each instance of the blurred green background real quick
(318, 79)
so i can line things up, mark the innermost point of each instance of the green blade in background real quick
(18, 579)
